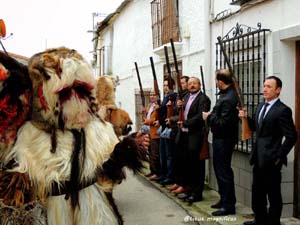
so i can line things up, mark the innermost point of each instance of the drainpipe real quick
(208, 70)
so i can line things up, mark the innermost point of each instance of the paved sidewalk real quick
(201, 211)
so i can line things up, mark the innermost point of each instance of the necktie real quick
(262, 115)
(188, 105)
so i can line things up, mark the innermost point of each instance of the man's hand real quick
(180, 124)
(243, 113)
(205, 115)
(179, 103)
(156, 123)
(277, 162)
(142, 140)
(167, 121)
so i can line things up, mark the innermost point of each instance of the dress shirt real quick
(150, 110)
(271, 103)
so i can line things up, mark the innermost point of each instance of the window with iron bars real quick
(247, 53)
(104, 60)
(164, 14)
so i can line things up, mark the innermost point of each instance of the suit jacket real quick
(163, 111)
(153, 117)
(194, 121)
(224, 118)
(275, 137)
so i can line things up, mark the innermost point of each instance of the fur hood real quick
(64, 89)
(15, 100)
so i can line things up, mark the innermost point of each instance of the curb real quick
(200, 212)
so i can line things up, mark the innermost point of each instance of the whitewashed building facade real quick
(265, 41)
(260, 36)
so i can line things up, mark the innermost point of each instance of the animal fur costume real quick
(16, 192)
(106, 86)
(108, 109)
(15, 108)
(70, 154)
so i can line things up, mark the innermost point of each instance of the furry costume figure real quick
(15, 107)
(15, 94)
(70, 154)
(120, 119)
(18, 203)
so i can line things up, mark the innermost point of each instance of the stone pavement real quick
(201, 211)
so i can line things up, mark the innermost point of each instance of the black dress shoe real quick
(183, 196)
(193, 199)
(159, 179)
(253, 222)
(166, 182)
(218, 205)
(223, 212)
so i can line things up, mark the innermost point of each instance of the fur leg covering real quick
(128, 154)
(15, 188)
(33, 155)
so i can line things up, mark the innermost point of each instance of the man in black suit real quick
(191, 139)
(275, 137)
(223, 121)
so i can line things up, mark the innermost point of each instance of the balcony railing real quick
(239, 2)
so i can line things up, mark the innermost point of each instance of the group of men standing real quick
(176, 143)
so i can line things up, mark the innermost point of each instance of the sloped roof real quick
(20, 58)
(109, 19)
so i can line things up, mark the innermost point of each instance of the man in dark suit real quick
(165, 151)
(223, 121)
(191, 139)
(275, 137)
(176, 188)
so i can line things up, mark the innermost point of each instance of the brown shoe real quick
(149, 174)
(173, 187)
(179, 190)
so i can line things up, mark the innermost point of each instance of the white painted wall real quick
(283, 19)
(132, 42)
(130, 36)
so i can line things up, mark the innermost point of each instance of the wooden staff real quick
(142, 92)
(204, 152)
(140, 84)
(246, 131)
(178, 76)
(156, 89)
(170, 110)
(155, 83)
(202, 80)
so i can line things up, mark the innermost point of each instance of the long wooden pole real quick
(140, 84)
(246, 131)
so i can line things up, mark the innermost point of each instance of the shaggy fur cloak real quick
(72, 156)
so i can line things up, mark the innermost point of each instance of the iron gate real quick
(246, 48)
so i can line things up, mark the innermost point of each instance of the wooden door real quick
(297, 146)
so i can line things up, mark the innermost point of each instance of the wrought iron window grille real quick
(246, 48)
(165, 24)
